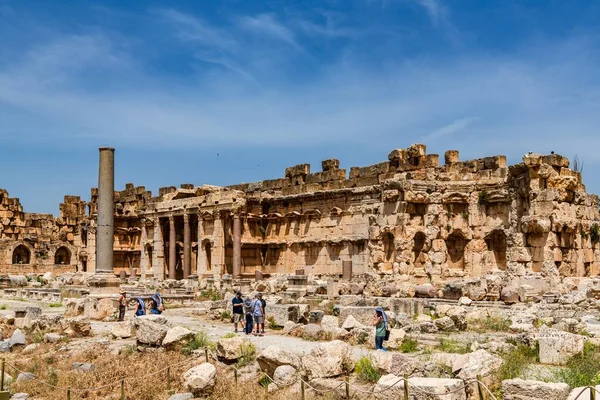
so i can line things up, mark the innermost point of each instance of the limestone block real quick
(122, 330)
(201, 379)
(440, 388)
(586, 395)
(330, 322)
(395, 363)
(274, 356)
(328, 360)
(283, 313)
(556, 346)
(149, 332)
(364, 315)
(519, 389)
(231, 349)
(177, 335)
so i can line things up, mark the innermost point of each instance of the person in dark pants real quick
(381, 326)
(249, 317)
(122, 305)
(238, 310)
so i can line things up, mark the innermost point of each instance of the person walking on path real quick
(380, 323)
(122, 305)
(258, 314)
(238, 310)
(264, 309)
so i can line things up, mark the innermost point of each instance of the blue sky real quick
(235, 91)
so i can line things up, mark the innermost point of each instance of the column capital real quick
(172, 220)
(186, 217)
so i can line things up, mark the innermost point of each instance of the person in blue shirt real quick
(141, 307)
(258, 314)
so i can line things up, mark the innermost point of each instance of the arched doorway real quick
(456, 244)
(496, 244)
(418, 246)
(62, 256)
(21, 255)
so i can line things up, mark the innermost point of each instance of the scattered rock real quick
(519, 389)
(17, 338)
(445, 324)
(83, 367)
(52, 338)
(149, 332)
(182, 396)
(231, 349)
(31, 348)
(273, 357)
(25, 376)
(201, 379)
(351, 323)
(557, 346)
(122, 330)
(330, 322)
(77, 326)
(328, 360)
(177, 335)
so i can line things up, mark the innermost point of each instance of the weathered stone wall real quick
(409, 218)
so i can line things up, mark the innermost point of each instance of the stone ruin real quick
(472, 228)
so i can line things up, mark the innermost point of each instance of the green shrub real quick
(484, 197)
(248, 351)
(52, 376)
(55, 305)
(272, 324)
(581, 369)
(517, 361)
(409, 345)
(366, 371)
(595, 233)
(199, 341)
(229, 335)
(129, 349)
(2, 306)
(226, 315)
(491, 324)
(452, 346)
(264, 381)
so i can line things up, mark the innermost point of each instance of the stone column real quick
(172, 247)
(158, 251)
(187, 247)
(143, 252)
(106, 218)
(237, 247)
(200, 262)
(218, 249)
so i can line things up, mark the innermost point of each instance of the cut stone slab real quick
(175, 335)
(328, 360)
(83, 367)
(231, 349)
(201, 379)
(122, 330)
(25, 376)
(273, 357)
(519, 389)
(283, 313)
(182, 396)
(556, 347)
(439, 388)
(586, 395)
(149, 332)
(17, 338)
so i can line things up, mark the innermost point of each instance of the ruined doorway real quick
(388, 247)
(418, 246)
(496, 244)
(456, 244)
(62, 256)
(149, 256)
(21, 255)
(207, 252)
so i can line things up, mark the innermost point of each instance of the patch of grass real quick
(517, 361)
(362, 338)
(52, 376)
(272, 324)
(226, 315)
(491, 324)
(38, 336)
(199, 341)
(409, 345)
(366, 371)
(453, 346)
(50, 360)
(129, 349)
(2, 306)
(248, 351)
(484, 197)
(265, 381)
(55, 305)
(229, 335)
(581, 369)
(209, 294)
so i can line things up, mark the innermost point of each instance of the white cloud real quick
(266, 24)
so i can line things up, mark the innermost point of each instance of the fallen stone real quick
(330, 322)
(122, 330)
(445, 324)
(19, 396)
(328, 360)
(83, 367)
(17, 338)
(25, 376)
(4, 347)
(77, 326)
(177, 335)
(556, 347)
(52, 338)
(583, 393)
(201, 379)
(31, 348)
(273, 357)
(519, 389)
(283, 313)
(284, 376)
(313, 332)
(395, 363)
(509, 295)
(396, 338)
(149, 332)
(351, 323)
(182, 396)
(392, 386)
(231, 349)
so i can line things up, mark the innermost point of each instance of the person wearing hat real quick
(122, 305)
(238, 311)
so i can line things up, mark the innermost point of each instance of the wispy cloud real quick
(266, 24)
(450, 129)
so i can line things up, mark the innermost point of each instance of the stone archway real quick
(21, 255)
(496, 245)
(62, 256)
(456, 244)
(418, 249)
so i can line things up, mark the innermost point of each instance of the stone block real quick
(556, 347)
(519, 389)
(283, 313)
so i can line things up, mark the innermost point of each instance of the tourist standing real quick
(238, 310)
(141, 307)
(249, 317)
(264, 309)
(380, 323)
(258, 314)
(122, 305)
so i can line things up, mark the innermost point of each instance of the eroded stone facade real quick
(408, 218)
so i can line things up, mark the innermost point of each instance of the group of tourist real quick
(156, 305)
(249, 313)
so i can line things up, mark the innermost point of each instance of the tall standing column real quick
(187, 247)
(172, 249)
(158, 251)
(105, 231)
(143, 253)
(237, 247)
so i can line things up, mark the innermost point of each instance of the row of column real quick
(187, 246)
